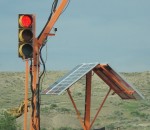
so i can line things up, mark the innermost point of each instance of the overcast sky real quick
(116, 32)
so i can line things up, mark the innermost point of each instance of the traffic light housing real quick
(26, 35)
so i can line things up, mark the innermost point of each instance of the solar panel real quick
(117, 82)
(69, 79)
(113, 79)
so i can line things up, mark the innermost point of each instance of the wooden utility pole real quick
(38, 42)
(26, 93)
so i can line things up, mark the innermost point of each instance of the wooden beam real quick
(88, 100)
(26, 93)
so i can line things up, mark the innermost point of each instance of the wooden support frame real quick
(100, 107)
(77, 111)
(86, 121)
(87, 115)
(104, 72)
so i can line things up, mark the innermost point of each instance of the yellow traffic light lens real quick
(26, 50)
(25, 21)
(25, 35)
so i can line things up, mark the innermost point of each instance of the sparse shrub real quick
(118, 113)
(139, 114)
(64, 110)
(7, 122)
(110, 127)
(79, 94)
(43, 129)
(53, 106)
(46, 109)
(65, 128)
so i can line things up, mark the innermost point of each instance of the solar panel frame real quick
(115, 81)
(136, 94)
(69, 79)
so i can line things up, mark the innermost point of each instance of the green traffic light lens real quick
(26, 51)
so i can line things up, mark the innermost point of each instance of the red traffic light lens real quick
(25, 21)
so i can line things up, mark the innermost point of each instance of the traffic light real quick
(26, 35)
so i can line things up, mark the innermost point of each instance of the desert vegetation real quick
(57, 112)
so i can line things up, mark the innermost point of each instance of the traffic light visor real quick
(25, 21)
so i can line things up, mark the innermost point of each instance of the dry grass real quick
(57, 111)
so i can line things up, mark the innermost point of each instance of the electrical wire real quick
(31, 76)
(33, 94)
(40, 80)
(53, 8)
(36, 93)
(66, 7)
(54, 5)
(44, 67)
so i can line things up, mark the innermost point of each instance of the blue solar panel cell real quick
(69, 79)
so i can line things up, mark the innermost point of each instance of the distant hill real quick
(58, 112)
